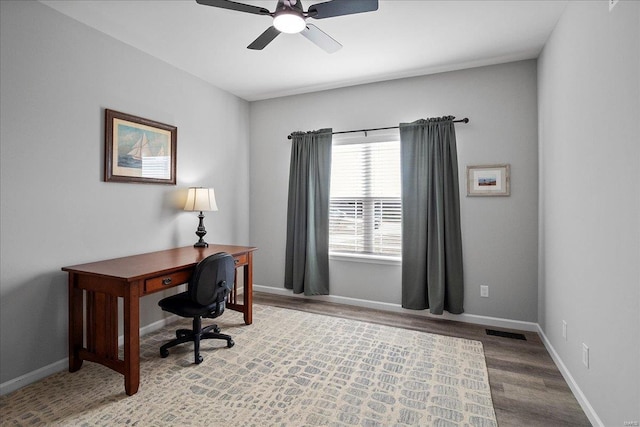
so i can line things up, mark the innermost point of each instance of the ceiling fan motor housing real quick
(290, 5)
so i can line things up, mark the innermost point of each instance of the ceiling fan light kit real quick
(289, 17)
(289, 22)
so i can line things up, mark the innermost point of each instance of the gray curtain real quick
(432, 275)
(307, 252)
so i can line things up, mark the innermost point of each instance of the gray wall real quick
(499, 233)
(589, 95)
(56, 77)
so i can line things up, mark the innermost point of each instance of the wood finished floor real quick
(526, 386)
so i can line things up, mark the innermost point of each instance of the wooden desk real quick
(94, 289)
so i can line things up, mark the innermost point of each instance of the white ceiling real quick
(402, 38)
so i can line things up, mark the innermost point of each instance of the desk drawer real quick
(166, 281)
(241, 259)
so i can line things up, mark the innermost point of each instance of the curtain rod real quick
(465, 120)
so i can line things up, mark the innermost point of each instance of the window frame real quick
(386, 135)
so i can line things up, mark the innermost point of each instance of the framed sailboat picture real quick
(139, 150)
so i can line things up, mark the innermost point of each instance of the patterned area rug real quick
(289, 368)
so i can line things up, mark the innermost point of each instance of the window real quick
(365, 202)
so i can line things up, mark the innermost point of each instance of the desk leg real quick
(248, 290)
(132, 339)
(76, 323)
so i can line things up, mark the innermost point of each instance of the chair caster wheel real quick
(230, 343)
(216, 330)
(164, 353)
(198, 360)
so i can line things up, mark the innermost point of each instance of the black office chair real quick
(209, 286)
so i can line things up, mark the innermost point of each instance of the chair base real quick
(196, 335)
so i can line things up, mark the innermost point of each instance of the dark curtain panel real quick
(307, 253)
(432, 275)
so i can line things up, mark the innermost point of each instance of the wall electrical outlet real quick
(484, 291)
(564, 330)
(585, 355)
(612, 4)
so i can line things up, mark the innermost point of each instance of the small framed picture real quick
(488, 180)
(139, 150)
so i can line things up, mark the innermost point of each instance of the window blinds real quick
(365, 205)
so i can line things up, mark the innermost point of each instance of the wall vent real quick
(504, 334)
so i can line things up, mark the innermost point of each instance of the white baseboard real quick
(152, 327)
(577, 392)
(467, 318)
(33, 376)
(39, 374)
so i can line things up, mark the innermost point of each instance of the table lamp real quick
(201, 199)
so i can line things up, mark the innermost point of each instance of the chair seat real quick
(182, 305)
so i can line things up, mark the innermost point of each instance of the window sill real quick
(368, 259)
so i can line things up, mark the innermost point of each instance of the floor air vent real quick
(506, 334)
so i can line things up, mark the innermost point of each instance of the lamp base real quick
(200, 232)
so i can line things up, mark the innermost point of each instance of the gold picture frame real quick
(489, 180)
(139, 150)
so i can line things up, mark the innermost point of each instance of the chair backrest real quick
(212, 279)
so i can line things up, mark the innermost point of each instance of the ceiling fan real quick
(289, 17)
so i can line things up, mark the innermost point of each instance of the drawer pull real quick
(235, 261)
(166, 280)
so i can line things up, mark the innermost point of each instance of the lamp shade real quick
(201, 199)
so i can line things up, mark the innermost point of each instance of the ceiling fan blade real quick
(320, 38)
(264, 39)
(329, 9)
(232, 5)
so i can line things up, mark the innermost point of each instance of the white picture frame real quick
(488, 180)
